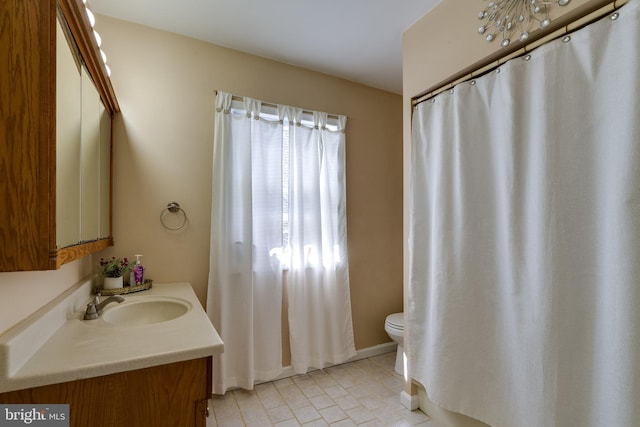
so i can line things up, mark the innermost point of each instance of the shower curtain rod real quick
(572, 21)
(268, 104)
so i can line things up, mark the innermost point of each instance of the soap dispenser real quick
(138, 272)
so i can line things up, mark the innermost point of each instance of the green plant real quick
(114, 267)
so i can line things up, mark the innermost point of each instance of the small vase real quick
(113, 282)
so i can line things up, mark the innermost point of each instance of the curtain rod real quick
(561, 26)
(268, 104)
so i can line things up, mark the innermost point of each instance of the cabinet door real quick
(68, 115)
(90, 158)
(83, 152)
(173, 395)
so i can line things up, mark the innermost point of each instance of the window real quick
(307, 253)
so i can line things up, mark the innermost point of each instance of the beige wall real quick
(22, 293)
(165, 84)
(442, 44)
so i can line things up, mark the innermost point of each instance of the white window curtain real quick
(278, 216)
(320, 324)
(525, 236)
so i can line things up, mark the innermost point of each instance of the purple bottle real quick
(138, 272)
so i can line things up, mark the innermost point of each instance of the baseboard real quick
(411, 402)
(364, 353)
(376, 350)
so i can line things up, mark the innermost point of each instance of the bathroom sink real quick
(144, 311)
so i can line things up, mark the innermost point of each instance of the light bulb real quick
(97, 37)
(92, 19)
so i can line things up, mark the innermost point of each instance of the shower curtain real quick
(524, 293)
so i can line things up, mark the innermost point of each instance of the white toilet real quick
(394, 325)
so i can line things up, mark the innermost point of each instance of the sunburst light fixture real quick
(519, 17)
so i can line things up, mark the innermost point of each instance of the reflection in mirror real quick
(105, 172)
(68, 87)
(90, 157)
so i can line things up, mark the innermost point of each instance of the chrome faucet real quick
(95, 307)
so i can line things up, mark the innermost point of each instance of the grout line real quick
(364, 391)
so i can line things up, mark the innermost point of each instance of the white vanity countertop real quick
(78, 349)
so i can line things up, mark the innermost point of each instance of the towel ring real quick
(173, 207)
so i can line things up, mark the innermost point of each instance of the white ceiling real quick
(359, 40)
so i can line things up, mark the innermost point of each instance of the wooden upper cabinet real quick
(39, 182)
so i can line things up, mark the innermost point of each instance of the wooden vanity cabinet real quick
(173, 395)
(28, 124)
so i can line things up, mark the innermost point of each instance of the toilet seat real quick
(395, 321)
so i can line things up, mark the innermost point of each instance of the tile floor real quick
(361, 393)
